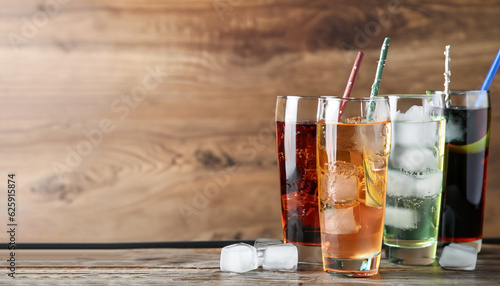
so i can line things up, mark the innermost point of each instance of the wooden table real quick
(201, 266)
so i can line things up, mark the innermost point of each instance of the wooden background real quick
(178, 98)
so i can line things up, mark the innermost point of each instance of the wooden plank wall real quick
(153, 120)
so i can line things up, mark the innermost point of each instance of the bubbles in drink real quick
(407, 184)
(298, 180)
(429, 184)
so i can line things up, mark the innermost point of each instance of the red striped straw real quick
(350, 82)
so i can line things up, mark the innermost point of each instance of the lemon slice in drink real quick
(375, 173)
(475, 147)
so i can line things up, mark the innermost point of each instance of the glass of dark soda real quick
(296, 142)
(466, 162)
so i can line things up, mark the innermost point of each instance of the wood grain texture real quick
(194, 266)
(152, 120)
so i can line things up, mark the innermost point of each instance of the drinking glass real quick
(296, 141)
(353, 145)
(415, 178)
(468, 115)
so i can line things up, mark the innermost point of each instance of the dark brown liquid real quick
(299, 182)
(467, 164)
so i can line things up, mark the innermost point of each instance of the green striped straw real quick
(380, 67)
(378, 76)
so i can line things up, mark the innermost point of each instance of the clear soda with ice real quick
(414, 184)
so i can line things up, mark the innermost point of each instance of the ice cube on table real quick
(281, 257)
(264, 242)
(261, 244)
(340, 221)
(458, 257)
(401, 218)
(239, 257)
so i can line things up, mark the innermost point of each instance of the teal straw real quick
(378, 77)
(380, 67)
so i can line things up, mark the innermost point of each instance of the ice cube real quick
(363, 139)
(282, 257)
(414, 159)
(429, 184)
(380, 112)
(400, 184)
(422, 134)
(401, 218)
(454, 131)
(339, 188)
(239, 257)
(340, 185)
(264, 242)
(261, 244)
(414, 114)
(340, 221)
(458, 257)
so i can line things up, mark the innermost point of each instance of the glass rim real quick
(412, 96)
(354, 99)
(452, 92)
(298, 97)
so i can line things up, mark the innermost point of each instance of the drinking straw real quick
(487, 80)
(354, 73)
(380, 67)
(378, 77)
(350, 82)
(491, 73)
(447, 72)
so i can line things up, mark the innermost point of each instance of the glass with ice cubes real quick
(415, 178)
(353, 147)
